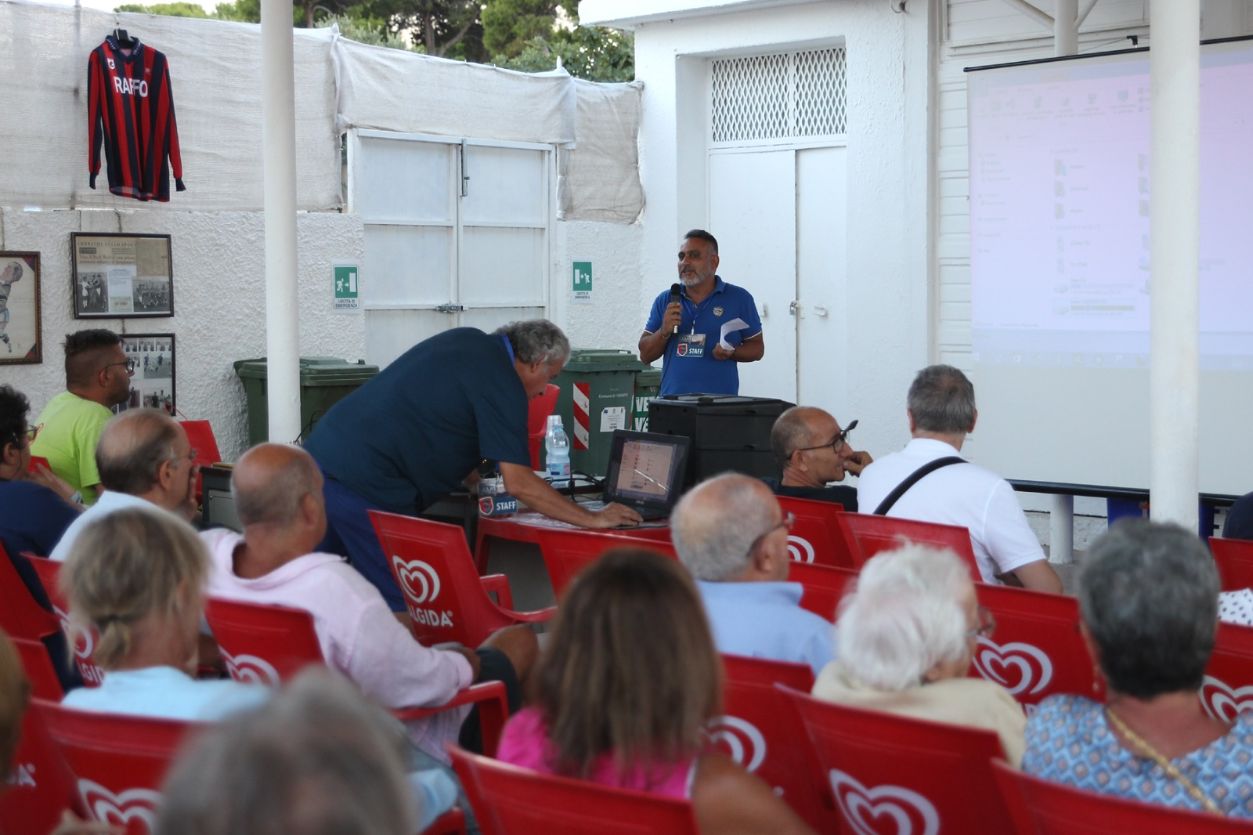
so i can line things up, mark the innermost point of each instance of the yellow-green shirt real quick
(69, 428)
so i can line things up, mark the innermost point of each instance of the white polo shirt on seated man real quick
(941, 413)
(731, 535)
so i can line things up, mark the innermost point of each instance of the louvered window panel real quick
(790, 95)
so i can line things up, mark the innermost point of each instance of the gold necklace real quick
(1166, 765)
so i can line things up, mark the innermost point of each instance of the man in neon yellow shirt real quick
(97, 376)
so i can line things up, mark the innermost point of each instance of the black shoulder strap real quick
(914, 477)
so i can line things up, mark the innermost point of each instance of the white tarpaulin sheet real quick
(215, 71)
(391, 89)
(599, 178)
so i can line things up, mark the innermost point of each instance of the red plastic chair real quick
(1042, 807)
(567, 551)
(40, 785)
(872, 534)
(508, 800)
(267, 644)
(205, 445)
(1227, 688)
(925, 776)
(20, 614)
(118, 762)
(825, 585)
(1036, 650)
(1234, 558)
(446, 597)
(817, 536)
(49, 571)
(759, 730)
(537, 412)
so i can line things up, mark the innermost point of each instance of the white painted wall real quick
(889, 66)
(611, 319)
(219, 298)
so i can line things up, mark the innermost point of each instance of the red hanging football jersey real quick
(130, 109)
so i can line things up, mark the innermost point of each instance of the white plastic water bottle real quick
(557, 449)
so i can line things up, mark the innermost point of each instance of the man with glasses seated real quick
(731, 534)
(97, 377)
(813, 451)
(145, 460)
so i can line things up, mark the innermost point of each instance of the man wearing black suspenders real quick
(928, 480)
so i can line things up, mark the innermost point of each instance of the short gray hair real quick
(789, 433)
(537, 340)
(714, 525)
(274, 493)
(1148, 592)
(317, 759)
(903, 617)
(942, 399)
(132, 448)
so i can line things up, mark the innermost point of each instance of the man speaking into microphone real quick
(703, 326)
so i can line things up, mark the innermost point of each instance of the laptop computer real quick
(646, 471)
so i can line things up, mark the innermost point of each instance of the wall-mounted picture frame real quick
(121, 276)
(152, 384)
(21, 329)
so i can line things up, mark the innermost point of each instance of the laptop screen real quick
(644, 467)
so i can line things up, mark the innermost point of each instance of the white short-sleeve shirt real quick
(961, 494)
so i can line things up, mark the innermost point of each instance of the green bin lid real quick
(649, 376)
(316, 371)
(600, 359)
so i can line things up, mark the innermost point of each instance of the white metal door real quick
(456, 233)
(822, 279)
(752, 211)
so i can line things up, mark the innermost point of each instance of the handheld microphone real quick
(675, 294)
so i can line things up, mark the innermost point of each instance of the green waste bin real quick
(323, 382)
(597, 397)
(647, 386)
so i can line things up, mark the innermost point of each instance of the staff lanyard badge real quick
(690, 345)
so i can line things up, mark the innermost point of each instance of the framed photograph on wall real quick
(121, 276)
(152, 384)
(20, 327)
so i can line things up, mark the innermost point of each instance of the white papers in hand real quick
(728, 328)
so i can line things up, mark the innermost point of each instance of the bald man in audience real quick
(814, 451)
(952, 491)
(731, 534)
(278, 497)
(145, 460)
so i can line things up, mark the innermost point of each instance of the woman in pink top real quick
(623, 690)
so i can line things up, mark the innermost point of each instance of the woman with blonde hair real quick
(623, 691)
(906, 635)
(134, 580)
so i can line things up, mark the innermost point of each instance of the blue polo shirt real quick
(765, 620)
(412, 433)
(688, 367)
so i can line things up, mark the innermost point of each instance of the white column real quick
(278, 137)
(1066, 27)
(1173, 384)
(1062, 529)
(1062, 511)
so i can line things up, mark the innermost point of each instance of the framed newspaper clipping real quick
(20, 342)
(152, 384)
(121, 276)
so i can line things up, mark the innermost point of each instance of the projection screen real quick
(1060, 272)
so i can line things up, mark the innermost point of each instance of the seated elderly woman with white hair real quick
(906, 635)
